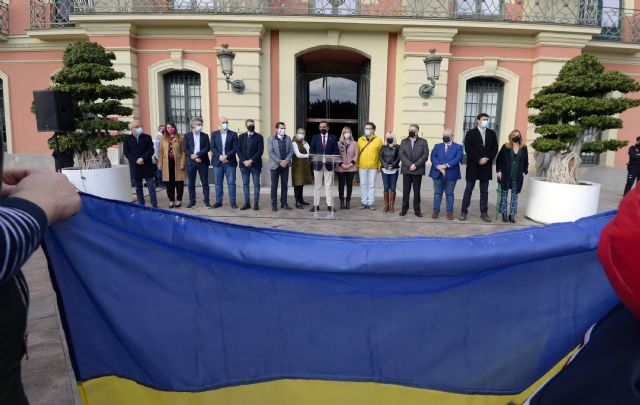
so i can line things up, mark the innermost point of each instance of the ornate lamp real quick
(225, 56)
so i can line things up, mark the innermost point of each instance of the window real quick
(484, 95)
(480, 8)
(335, 7)
(183, 99)
(604, 13)
(3, 121)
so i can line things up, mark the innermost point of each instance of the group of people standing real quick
(181, 157)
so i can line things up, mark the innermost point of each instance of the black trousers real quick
(297, 191)
(174, 187)
(409, 180)
(484, 196)
(632, 177)
(280, 174)
(13, 323)
(345, 178)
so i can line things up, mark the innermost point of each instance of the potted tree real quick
(569, 112)
(87, 66)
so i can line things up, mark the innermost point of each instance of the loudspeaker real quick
(54, 111)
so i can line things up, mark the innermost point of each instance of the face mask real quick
(323, 131)
(412, 134)
(516, 139)
(389, 141)
(300, 136)
(367, 132)
(198, 128)
(484, 123)
(171, 131)
(251, 128)
(225, 126)
(446, 139)
(139, 130)
(281, 131)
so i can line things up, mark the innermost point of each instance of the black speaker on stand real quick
(54, 111)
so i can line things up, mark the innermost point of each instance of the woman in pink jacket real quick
(347, 169)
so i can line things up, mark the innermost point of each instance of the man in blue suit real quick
(225, 146)
(323, 143)
(196, 149)
(445, 171)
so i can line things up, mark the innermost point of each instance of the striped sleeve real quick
(22, 224)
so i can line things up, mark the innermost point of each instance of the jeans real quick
(174, 187)
(345, 179)
(247, 173)
(513, 209)
(409, 180)
(367, 185)
(442, 185)
(389, 182)
(282, 174)
(152, 191)
(219, 173)
(632, 177)
(484, 196)
(203, 170)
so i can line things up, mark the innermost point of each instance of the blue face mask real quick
(225, 126)
(367, 132)
(198, 128)
(139, 131)
(484, 123)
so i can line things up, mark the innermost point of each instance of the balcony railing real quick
(4, 18)
(617, 24)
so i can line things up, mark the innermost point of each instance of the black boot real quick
(512, 219)
(342, 203)
(347, 204)
(504, 218)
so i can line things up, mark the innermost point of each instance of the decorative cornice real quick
(564, 39)
(435, 34)
(237, 29)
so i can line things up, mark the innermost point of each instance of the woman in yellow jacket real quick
(171, 161)
(369, 147)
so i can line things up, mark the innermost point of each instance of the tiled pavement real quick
(47, 373)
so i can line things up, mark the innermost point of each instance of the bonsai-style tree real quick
(87, 66)
(572, 108)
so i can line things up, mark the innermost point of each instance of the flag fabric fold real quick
(165, 308)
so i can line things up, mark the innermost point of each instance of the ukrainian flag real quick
(162, 308)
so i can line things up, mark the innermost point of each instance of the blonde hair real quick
(509, 143)
(345, 129)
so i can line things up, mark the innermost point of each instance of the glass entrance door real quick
(332, 98)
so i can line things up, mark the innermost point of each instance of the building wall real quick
(266, 51)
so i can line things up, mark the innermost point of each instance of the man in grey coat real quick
(414, 153)
(280, 153)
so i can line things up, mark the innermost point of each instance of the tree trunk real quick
(90, 159)
(562, 168)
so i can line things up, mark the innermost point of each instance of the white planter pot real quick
(113, 183)
(554, 202)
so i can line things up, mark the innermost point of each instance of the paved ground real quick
(47, 373)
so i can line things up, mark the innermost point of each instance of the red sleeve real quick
(617, 250)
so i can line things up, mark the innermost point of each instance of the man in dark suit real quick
(323, 143)
(414, 153)
(250, 150)
(138, 149)
(481, 146)
(196, 148)
(633, 167)
(224, 144)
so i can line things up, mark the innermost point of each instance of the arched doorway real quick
(183, 98)
(332, 85)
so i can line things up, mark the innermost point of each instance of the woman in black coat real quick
(511, 166)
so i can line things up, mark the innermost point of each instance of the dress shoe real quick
(245, 207)
(450, 216)
(463, 216)
(234, 206)
(256, 207)
(303, 202)
(274, 208)
(331, 209)
(285, 207)
(504, 218)
(435, 214)
(207, 205)
(485, 217)
(315, 209)
(403, 213)
(512, 219)
(191, 205)
(178, 204)
(217, 205)
(171, 204)
(299, 204)
(418, 214)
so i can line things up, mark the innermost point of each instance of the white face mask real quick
(367, 132)
(281, 131)
(225, 126)
(300, 136)
(198, 128)
(484, 123)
